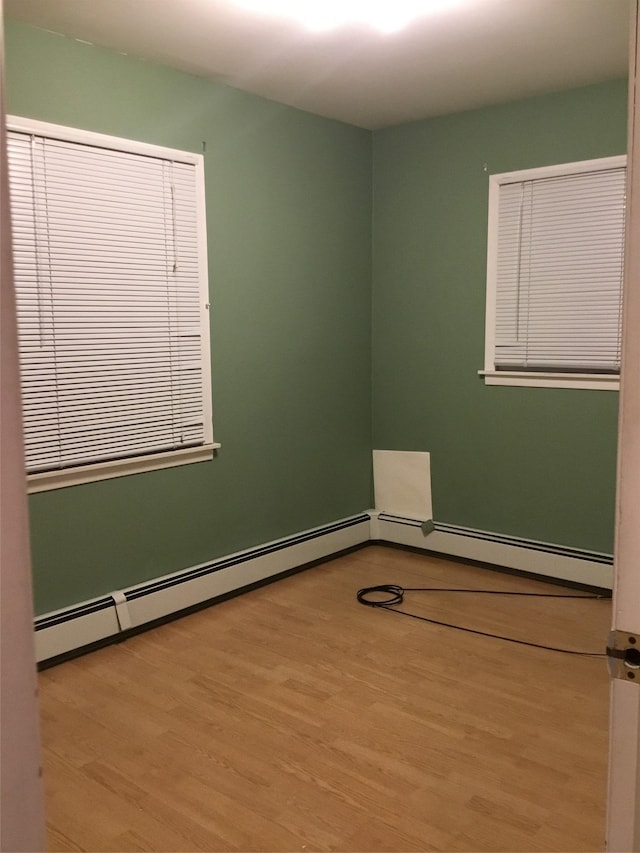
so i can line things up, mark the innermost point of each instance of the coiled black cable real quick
(395, 596)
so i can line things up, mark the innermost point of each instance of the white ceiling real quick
(473, 53)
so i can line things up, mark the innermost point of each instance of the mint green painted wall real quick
(289, 222)
(537, 463)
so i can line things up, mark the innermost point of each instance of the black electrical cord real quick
(396, 593)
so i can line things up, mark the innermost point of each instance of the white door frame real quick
(22, 815)
(21, 803)
(623, 800)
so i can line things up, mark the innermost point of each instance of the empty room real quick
(322, 314)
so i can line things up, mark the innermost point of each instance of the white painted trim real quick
(624, 713)
(117, 468)
(374, 527)
(623, 788)
(91, 621)
(45, 481)
(249, 571)
(22, 820)
(122, 610)
(492, 275)
(509, 552)
(205, 313)
(95, 620)
(600, 164)
(524, 378)
(601, 381)
(20, 124)
(80, 630)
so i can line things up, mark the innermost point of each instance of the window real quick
(111, 288)
(554, 275)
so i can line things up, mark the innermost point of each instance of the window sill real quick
(118, 468)
(597, 381)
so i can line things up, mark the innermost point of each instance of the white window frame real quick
(44, 481)
(601, 381)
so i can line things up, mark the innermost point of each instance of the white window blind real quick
(559, 272)
(108, 273)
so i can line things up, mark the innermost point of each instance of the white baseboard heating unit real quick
(90, 622)
(102, 619)
(571, 565)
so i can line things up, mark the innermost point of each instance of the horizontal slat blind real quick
(560, 273)
(109, 305)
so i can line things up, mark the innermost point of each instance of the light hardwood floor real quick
(292, 718)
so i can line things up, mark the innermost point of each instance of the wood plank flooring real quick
(292, 718)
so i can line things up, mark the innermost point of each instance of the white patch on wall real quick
(402, 483)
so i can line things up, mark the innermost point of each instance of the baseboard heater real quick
(65, 631)
(71, 628)
(571, 565)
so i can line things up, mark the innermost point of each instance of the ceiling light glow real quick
(387, 16)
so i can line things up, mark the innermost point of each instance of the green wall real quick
(289, 222)
(293, 291)
(537, 463)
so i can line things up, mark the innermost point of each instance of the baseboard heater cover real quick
(66, 630)
(69, 629)
(573, 565)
